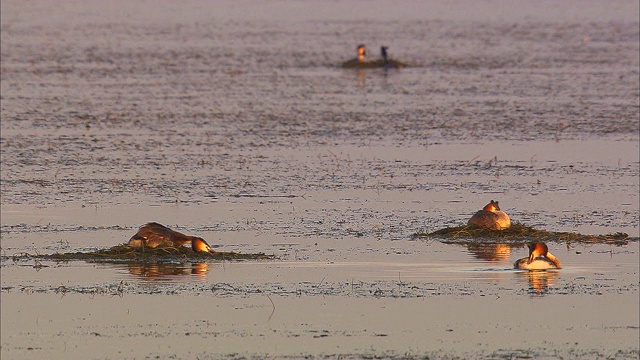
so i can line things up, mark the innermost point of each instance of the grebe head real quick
(492, 206)
(361, 52)
(199, 245)
(536, 250)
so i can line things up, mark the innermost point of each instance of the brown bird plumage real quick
(153, 235)
(490, 217)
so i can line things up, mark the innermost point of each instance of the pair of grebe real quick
(154, 235)
(360, 61)
(491, 217)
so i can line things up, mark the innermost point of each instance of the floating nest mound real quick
(520, 233)
(389, 64)
(125, 252)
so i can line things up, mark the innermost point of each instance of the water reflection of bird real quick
(153, 235)
(490, 252)
(490, 217)
(539, 281)
(539, 258)
(159, 270)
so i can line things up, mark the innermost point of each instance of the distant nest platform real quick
(521, 233)
(389, 64)
(125, 252)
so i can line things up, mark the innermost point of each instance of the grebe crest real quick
(490, 217)
(539, 258)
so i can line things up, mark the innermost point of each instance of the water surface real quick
(234, 121)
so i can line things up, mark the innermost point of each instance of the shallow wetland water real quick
(239, 126)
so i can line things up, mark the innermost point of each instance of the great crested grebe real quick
(490, 217)
(539, 258)
(361, 52)
(383, 54)
(153, 235)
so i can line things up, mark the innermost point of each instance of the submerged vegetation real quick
(125, 252)
(519, 233)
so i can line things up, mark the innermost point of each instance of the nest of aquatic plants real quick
(518, 233)
(125, 252)
(357, 64)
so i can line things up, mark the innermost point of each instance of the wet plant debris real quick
(380, 63)
(520, 233)
(125, 252)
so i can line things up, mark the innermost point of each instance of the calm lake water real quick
(234, 121)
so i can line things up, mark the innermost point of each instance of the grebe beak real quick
(537, 249)
(532, 253)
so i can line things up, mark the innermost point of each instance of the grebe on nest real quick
(539, 258)
(490, 217)
(384, 62)
(361, 52)
(153, 235)
(383, 54)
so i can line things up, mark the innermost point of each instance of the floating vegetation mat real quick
(520, 233)
(380, 63)
(125, 252)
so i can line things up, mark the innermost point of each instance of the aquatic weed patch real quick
(380, 63)
(520, 233)
(125, 252)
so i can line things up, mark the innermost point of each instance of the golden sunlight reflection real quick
(361, 81)
(538, 280)
(165, 270)
(490, 252)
